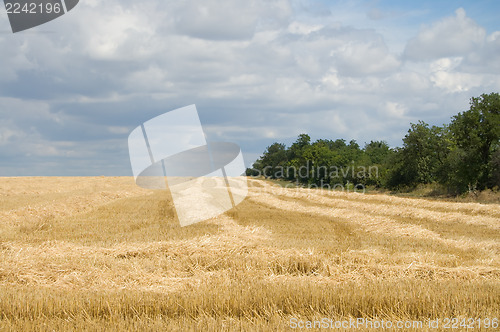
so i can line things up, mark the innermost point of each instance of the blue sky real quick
(259, 71)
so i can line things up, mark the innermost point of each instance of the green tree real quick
(272, 161)
(296, 157)
(377, 151)
(379, 155)
(495, 169)
(421, 158)
(476, 134)
(296, 149)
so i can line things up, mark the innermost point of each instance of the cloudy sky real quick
(259, 71)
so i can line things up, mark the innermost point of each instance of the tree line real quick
(462, 156)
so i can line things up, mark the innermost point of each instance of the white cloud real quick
(486, 59)
(150, 79)
(14, 59)
(456, 82)
(258, 71)
(8, 133)
(300, 28)
(352, 59)
(119, 130)
(117, 32)
(453, 36)
(226, 20)
(445, 64)
(394, 110)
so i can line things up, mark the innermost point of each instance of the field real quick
(102, 254)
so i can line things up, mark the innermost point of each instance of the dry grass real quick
(102, 254)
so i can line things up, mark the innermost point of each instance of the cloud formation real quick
(451, 36)
(259, 71)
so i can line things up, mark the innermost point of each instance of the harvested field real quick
(103, 254)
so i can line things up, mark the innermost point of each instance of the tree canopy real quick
(462, 156)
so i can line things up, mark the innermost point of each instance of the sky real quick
(259, 72)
